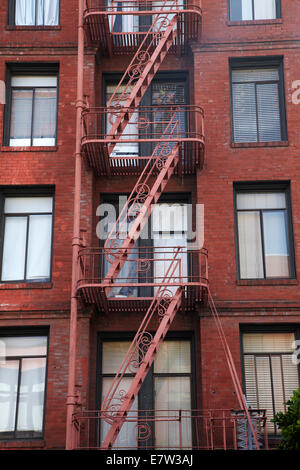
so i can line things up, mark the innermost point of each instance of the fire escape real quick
(174, 150)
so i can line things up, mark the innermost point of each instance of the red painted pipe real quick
(71, 401)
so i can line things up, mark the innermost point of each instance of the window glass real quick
(33, 110)
(263, 235)
(36, 12)
(22, 386)
(256, 107)
(270, 374)
(27, 240)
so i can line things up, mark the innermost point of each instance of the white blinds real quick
(270, 374)
(256, 105)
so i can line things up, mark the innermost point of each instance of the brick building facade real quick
(242, 70)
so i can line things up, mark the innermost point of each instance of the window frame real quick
(47, 191)
(260, 62)
(278, 13)
(12, 12)
(266, 328)
(23, 332)
(38, 69)
(263, 187)
(184, 198)
(146, 394)
(114, 79)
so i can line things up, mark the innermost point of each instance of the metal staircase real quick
(161, 165)
(149, 187)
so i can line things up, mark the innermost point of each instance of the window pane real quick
(113, 355)
(235, 10)
(264, 386)
(268, 342)
(128, 434)
(19, 205)
(48, 12)
(276, 244)
(263, 74)
(265, 9)
(244, 112)
(31, 399)
(173, 357)
(23, 346)
(44, 123)
(250, 245)
(14, 247)
(290, 374)
(131, 130)
(21, 115)
(39, 247)
(8, 395)
(268, 110)
(25, 12)
(172, 393)
(267, 200)
(247, 12)
(34, 81)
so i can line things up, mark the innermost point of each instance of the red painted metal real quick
(72, 399)
(170, 429)
(92, 263)
(232, 368)
(99, 18)
(149, 124)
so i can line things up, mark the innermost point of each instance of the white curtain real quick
(39, 247)
(39, 238)
(37, 12)
(51, 12)
(8, 397)
(14, 248)
(25, 12)
(250, 245)
(173, 393)
(131, 131)
(169, 230)
(123, 23)
(31, 398)
(264, 9)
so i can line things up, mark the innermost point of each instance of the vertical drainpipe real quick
(71, 400)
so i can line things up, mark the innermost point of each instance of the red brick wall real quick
(208, 72)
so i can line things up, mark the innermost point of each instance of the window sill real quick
(32, 28)
(283, 143)
(29, 149)
(31, 444)
(267, 282)
(254, 22)
(25, 285)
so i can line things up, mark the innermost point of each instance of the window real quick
(168, 227)
(243, 10)
(264, 234)
(27, 238)
(162, 95)
(34, 12)
(32, 109)
(22, 385)
(257, 104)
(167, 388)
(269, 372)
